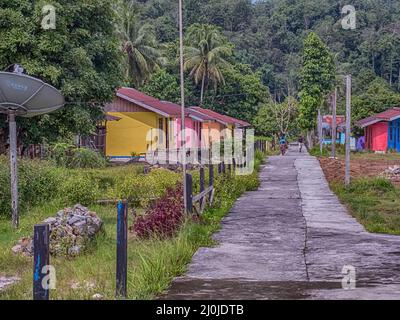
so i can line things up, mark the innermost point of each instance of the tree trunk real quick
(310, 142)
(202, 89)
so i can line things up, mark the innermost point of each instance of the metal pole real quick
(348, 122)
(13, 168)
(183, 127)
(334, 121)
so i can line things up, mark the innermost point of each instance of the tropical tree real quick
(80, 57)
(317, 77)
(273, 118)
(142, 52)
(205, 56)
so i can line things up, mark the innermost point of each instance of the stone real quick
(70, 230)
(50, 220)
(17, 249)
(74, 251)
(97, 296)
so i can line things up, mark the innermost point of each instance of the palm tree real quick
(143, 54)
(205, 56)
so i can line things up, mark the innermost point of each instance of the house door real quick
(394, 135)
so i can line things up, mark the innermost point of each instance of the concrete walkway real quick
(291, 240)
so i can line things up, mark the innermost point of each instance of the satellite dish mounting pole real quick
(13, 167)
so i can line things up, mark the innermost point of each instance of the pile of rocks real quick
(70, 231)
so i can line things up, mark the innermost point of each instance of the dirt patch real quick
(334, 168)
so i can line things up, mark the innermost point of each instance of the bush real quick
(142, 189)
(86, 158)
(79, 188)
(164, 218)
(37, 181)
(66, 155)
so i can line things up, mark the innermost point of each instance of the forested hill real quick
(269, 34)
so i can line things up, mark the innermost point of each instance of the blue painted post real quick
(41, 258)
(122, 249)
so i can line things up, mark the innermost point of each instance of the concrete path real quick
(291, 239)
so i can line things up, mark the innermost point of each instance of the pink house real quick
(382, 131)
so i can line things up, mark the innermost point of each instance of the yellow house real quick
(138, 114)
(133, 116)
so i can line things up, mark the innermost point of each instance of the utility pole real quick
(348, 123)
(334, 123)
(183, 129)
(320, 138)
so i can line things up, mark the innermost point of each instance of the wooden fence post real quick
(41, 258)
(189, 193)
(202, 187)
(211, 175)
(122, 249)
(223, 167)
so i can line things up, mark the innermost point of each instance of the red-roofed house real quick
(382, 130)
(138, 114)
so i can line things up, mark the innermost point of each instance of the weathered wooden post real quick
(219, 168)
(189, 193)
(122, 249)
(223, 167)
(41, 259)
(202, 187)
(348, 123)
(211, 183)
(210, 174)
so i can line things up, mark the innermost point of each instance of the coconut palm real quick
(143, 54)
(205, 56)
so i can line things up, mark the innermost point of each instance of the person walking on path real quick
(283, 144)
(301, 143)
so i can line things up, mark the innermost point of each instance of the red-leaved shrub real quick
(164, 217)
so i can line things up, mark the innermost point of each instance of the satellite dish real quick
(22, 95)
(27, 96)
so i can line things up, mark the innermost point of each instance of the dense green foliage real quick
(317, 77)
(80, 57)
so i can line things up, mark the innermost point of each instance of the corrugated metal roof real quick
(169, 109)
(166, 109)
(388, 115)
(221, 118)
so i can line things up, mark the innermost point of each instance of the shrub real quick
(164, 218)
(141, 189)
(79, 188)
(37, 181)
(67, 155)
(86, 158)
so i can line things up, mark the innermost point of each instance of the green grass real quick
(152, 264)
(374, 202)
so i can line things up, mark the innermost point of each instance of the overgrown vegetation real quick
(374, 202)
(152, 264)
